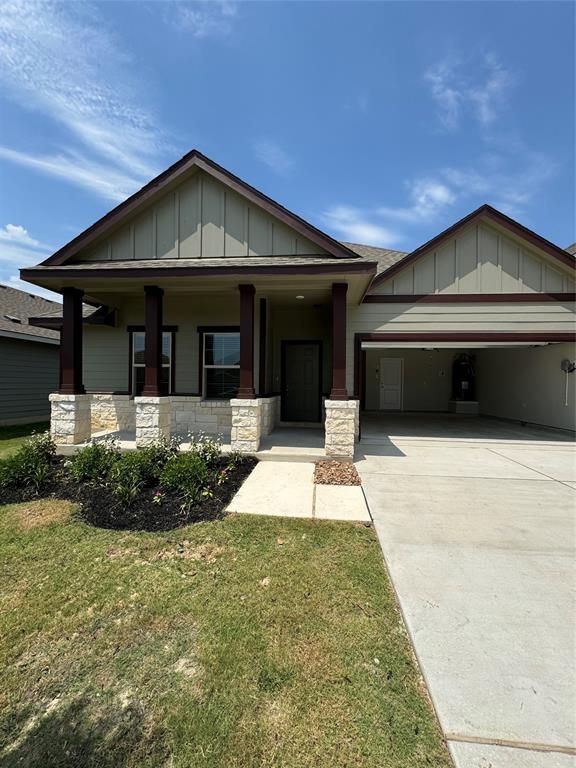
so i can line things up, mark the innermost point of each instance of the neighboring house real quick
(28, 358)
(217, 308)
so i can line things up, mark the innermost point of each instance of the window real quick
(221, 365)
(138, 362)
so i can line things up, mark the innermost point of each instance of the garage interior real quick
(474, 389)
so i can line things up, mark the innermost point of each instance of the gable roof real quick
(484, 212)
(571, 249)
(384, 257)
(16, 309)
(154, 188)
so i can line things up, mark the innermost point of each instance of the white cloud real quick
(19, 249)
(429, 197)
(469, 87)
(58, 59)
(272, 155)
(358, 226)
(15, 233)
(203, 18)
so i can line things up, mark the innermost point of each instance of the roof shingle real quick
(17, 306)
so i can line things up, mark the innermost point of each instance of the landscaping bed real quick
(153, 489)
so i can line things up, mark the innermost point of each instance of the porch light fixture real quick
(299, 297)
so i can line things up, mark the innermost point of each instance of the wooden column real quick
(153, 341)
(339, 391)
(246, 391)
(71, 343)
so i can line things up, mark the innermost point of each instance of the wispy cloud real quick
(203, 18)
(19, 249)
(272, 155)
(358, 226)
(429, 197)
(58, 60)
(468, 87)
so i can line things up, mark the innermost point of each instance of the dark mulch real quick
(99, 507)
(336, 473)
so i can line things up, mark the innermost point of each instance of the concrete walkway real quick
(287, 489)
(479, 538)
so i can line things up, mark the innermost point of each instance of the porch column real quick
(246, 390)
(153, 341)
(71, 343)
(339, 391)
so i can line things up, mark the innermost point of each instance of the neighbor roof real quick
(571, 249)
(17, 307)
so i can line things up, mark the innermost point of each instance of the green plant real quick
(129, 476)
(207, 447)
(156, 455)
(185, 476)
(30, 466)
(95, 463)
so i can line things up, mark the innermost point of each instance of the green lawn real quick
(11, 438)
(247, 642)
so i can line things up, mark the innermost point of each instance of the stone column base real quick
(153, 417)
(70, 418)
(246, 425)
(342, 427)
(112, 413)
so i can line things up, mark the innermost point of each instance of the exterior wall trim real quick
(467, 298)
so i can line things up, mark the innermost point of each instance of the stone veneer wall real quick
(342, 427)
(270, 413)
(70, 418)
(192, 414)
(112, 413)
(152, 419)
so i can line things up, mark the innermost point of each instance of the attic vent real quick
(13, 319)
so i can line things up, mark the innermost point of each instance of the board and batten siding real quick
(514, 317)
(106, 350)
(480, 259)
(29, 375)
(201, 218)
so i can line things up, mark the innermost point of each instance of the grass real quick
(11, 438)
(242, 643)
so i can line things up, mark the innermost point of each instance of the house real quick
(215, 308)
(28, 358)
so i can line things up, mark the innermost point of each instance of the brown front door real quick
(301, 381)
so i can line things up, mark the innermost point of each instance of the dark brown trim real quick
(142, 328)
(467, 298)
(338, 390)
(102, 316)
(262, 340)
(170, 176)
(246, 390)
(130, 363)
(153, 341)
(132, 329)
(427, 338)
(71, 343)
(202, 329)
(299, 342)
(486, 211)
(338, 268)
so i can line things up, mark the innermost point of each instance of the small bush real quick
(95, 463)
(185, 476)
(207, 447)
(130, 475)
(30, 466)
(156, 456)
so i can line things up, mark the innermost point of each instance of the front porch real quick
(267, 363)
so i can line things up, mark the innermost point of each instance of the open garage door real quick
(522, 380)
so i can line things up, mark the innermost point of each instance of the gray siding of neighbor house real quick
(29, 372)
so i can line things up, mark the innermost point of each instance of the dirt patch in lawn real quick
(35, 514)
(336, 473)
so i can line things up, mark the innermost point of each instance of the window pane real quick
(222, 382)
(138, 347)
(165, 381)
(138, 381)
(166, 339)
(222, 349)
(139, 374)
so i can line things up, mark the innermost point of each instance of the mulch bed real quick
(336, 473)
(99, 507)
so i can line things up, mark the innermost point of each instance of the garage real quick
(435, 386)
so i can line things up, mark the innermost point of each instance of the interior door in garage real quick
(391, 380)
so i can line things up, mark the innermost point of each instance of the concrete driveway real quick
(479, 539)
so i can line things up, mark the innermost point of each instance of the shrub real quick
(30, 466)
(185, 476)
(130, 474)
(206, 447)
(94, 464)
(156, 456)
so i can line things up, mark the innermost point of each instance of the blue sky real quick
(380, 122)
